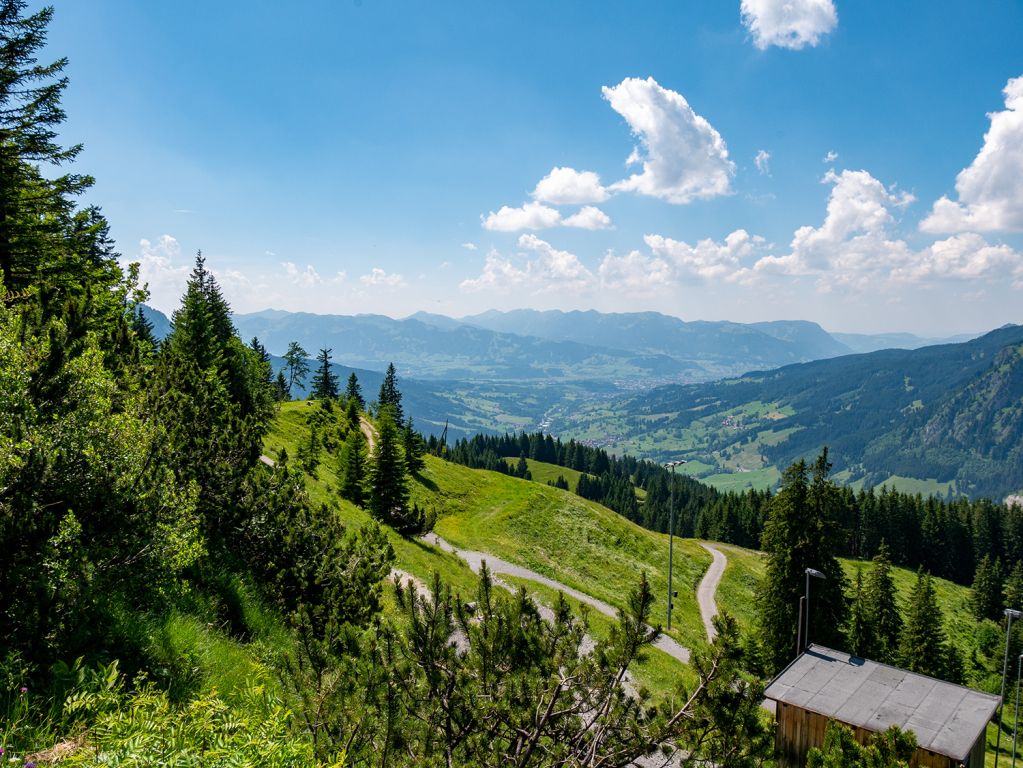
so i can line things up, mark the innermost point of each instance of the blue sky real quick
(392, 157)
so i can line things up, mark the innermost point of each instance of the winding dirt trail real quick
(367, 430)
(475, 561)
(708, 589)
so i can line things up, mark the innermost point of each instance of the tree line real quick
(947, 538)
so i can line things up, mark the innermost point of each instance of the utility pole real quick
(1010, 614)
(671, 535)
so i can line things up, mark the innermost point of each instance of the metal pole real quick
(671, 541)
(1015, 725)
(806, 637)
(799, 631)
(1010, 614)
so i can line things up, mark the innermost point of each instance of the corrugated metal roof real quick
(946, 718)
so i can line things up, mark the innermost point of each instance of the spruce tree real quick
(33, 209)
(1013, 589)
(389, 496)
(281, 387)
(352, 468)
(923, 638)
(986, 592)
(862, 631)
(390, 397)
(354, 391)
(414, 448)
(883, 607)
(799, 534)
(325, 381)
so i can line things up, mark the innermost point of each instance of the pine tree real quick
(799, 534)
(986, 593)
(281, 387)
(296, 361)
(923, 638)
(389, 496)
(862, 630)
(35, 212)
(414, 448)
(325, 382)
(883, 608)
(1013, 590)
(352, 468)
(390, 397)
(354, 391)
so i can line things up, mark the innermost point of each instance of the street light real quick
(1010, 614)
(804, 609)
(1015, 725)
(671, 533)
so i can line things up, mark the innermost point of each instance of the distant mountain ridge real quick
(950, 413)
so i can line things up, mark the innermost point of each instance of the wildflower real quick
(24, 690)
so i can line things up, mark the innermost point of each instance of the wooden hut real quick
(822, 684)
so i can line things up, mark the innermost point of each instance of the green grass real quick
(915, 485)
(554, 532)
(544, 472)
(740, 481)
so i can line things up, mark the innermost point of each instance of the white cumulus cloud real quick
(529, 216)
(831, 157)
(763, 162)
(379, 277)
(588, 217)
(160, 267)
(790, 24)
(708, 259)
(856, 245)
(635, 273)
(567, 186)
(683, 156)
(543, 269)
(990, 190)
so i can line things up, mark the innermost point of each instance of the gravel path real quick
(708, 588)
(497, 565)
(367, 430)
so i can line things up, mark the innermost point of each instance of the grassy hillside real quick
(554, 532)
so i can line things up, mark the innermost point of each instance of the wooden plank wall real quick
(798, 730)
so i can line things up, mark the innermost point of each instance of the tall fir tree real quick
(414, 448)
(389, 496)
(986, 593)
(390, 396)
(1012, 592)
(862, 631)
(353, 391)
(883, 607)
(325, 381)
(352, 468)
(923, 638)
(799, 534)
(36, 213)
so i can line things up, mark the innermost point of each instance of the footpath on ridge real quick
(475, 561)
(708, 588)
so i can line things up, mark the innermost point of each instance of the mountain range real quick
(950, 415)
(738, 401)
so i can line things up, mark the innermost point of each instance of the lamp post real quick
(805, 611)
(671, 534)
(1010, 614)
(1015, 725)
